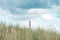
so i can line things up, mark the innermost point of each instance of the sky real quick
(42, 13)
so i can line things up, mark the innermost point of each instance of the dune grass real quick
(17, 33)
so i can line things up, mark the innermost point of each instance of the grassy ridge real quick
(17, 33)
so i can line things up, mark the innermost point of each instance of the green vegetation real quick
(17, 33)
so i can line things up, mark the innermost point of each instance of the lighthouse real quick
(29, 23)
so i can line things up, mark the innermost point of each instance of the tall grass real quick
(17, 33)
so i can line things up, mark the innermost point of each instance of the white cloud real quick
(55, 8)
(31, 14)
(44, 13)
(48, 16)
(37, 11)
(6, 13)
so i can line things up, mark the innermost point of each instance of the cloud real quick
(27, 4)
(55, 8)
(6, 13)
(18, 6)
(48, 16)
(44, 13)
(28, 14)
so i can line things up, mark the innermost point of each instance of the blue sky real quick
(41, 12)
